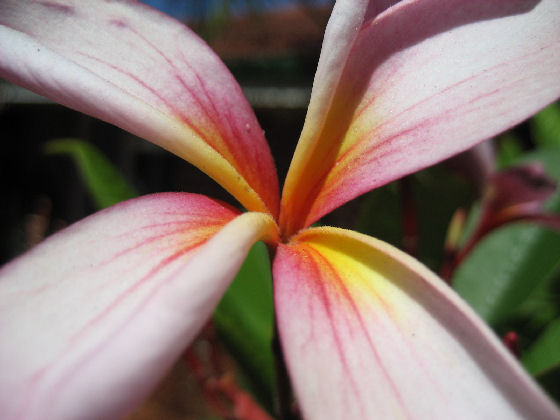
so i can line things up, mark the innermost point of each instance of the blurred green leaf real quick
(505, 268)
(105, 183)
(550, 381)
(544, 354)
(245, 318)
(438, 193)
(545, 126)
(380, 215)
(509, 150)
(540, 308)
(510, 263)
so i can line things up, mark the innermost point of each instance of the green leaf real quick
(245, 318)
(544, 354)
(435, 195)
(379, 215)
(105, 183)
(438, 193)
(545, 126)
(509, 150)
(540, 308)
(550, 381)
(505, 268)
(510, 263)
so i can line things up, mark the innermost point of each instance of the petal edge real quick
(368, 332)
(94, 316)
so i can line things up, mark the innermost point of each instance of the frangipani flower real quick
(91, 319)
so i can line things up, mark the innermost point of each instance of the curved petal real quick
(376, 7)
(423, 80)
(368, 332)
(93, 317)
(341, 32)
(127, 64)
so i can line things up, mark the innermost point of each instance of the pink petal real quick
(424, 80)
(368, 332)
(127, 64)
(93, 317)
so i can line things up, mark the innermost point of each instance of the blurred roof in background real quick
(197, 10)
(262, 41)
(293, 30)
(271, 46)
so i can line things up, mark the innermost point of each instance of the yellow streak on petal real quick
(355, 271)
(368, 268)
(319, 160)
(263, 225)
(181, 140)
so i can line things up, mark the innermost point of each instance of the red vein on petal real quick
(325, 299)
(35, 379)
(75, 339)
(144, 243)
(358, 316)
(345, 160)
(186, 223)
(368, 135)
(162, 264)
(212, 116)
(177, 74)
(428, 121)
(182, 117)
